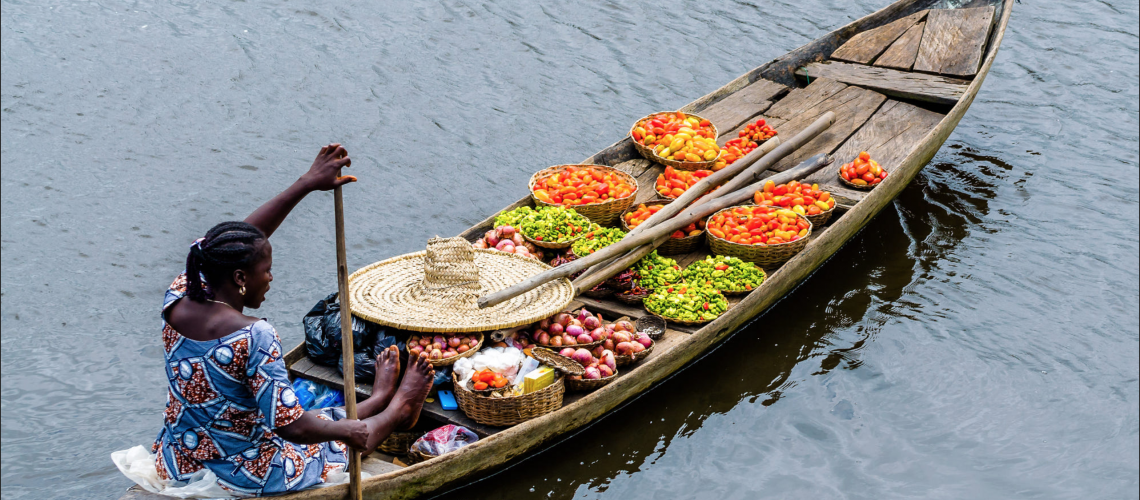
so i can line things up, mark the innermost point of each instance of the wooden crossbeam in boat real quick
(889, 136)
(901, 54)
(953, 41)
(902, 84)
(865, 46)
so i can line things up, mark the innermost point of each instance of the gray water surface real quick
(979, 339)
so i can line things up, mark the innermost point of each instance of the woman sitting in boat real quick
(230, 407)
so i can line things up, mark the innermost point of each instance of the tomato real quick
(480, 386)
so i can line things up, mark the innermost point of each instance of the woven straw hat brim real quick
(386, 293)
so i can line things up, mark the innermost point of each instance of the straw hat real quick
(437, 290)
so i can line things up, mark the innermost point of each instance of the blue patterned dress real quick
(225, 398)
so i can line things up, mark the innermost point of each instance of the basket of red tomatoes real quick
(862, 173)
(759, 234)
(598, 192)
(684, 240)
(676, 139)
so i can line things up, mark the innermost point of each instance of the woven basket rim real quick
(687, 322)
(652, 155)
(633, 358)
(852, 185)
(811, 228)
(535, 176)
(548, 357)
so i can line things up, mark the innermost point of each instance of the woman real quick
(230, 407)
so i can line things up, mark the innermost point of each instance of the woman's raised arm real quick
(323, 175)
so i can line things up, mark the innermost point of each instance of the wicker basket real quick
(681, 165)
(601, 293)
(557, 361)
(820, 218)
(761, 255)
(584, 385)
(656, 323)
(451, 361)
(631, 299)
(633, 358)
(503, 412)
(549, 245)
(852, 185)
(674, 246)
(399, 443)
(602, 213)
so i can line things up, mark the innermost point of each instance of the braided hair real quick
(226, 247)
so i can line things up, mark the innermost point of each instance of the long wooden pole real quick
(631, 242)
(588, 281)
(354, 491)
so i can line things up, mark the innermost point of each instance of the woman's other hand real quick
(324, 174)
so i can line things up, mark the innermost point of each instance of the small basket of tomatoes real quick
(677, 139)
(685, 240)
(806, 200)
(759, 234)
(598, 192)
(507, 410)
(673, 183)
(863, 173)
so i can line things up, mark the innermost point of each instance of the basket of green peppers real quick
(596, 239)
(655, 271)
(686, 304)
(729, 275)
(547, 227)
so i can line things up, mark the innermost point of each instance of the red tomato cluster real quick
(673, 183)
(758, 132)
(643, 212)
(759, 225)
(678, 136)
(734, 149)
(801, 198)
(486, 378)
(582, 186)
(863, 171)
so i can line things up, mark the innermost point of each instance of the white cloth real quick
(138, 465)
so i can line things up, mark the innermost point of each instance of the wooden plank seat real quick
(737, 108)
(866, 46)
(901, 54)
(954, 40)
(902, 84)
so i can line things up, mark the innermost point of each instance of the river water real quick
(979, 339)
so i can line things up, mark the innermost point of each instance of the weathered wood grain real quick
(889, 136)
(902, 84)
(953, 40)
(864, 47)
(852, 107)
(730, 112)
(901, 54)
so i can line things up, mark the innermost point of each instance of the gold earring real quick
(242, 290)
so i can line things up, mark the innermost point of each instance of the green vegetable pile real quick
(686, 303)
(514, 217)
(654, 271)
(549, 224)
(597, 239)
(727, 274)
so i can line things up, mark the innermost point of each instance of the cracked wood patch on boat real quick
(902, 84)
(889, 136)
(737, 108)
(902, 53)
(865, 46)
(953, 41)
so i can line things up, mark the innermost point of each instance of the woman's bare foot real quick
(384, 385)
(409, 399)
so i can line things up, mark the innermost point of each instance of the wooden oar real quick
(632, 242)
(699, 210)
(354, 491)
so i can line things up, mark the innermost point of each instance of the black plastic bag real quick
(322, 332)
(364, 360)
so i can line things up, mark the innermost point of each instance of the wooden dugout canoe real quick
(899, 81)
